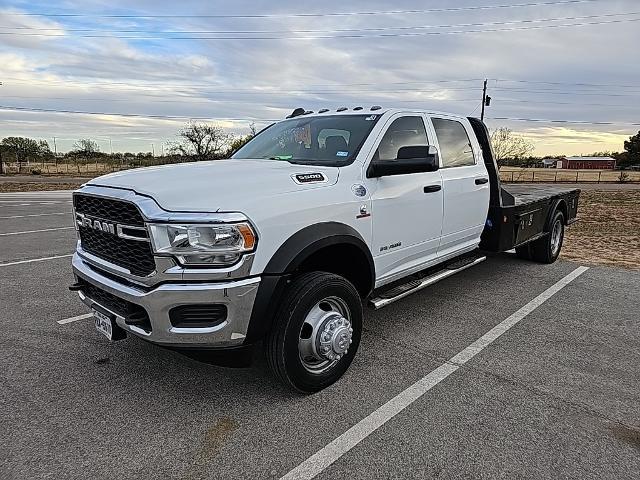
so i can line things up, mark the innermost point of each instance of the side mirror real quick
(412, 159)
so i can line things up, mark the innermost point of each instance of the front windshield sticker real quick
(303, 135)
(342, 154)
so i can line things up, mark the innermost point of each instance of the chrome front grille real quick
(101, 233)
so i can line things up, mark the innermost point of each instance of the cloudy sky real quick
(157, 64)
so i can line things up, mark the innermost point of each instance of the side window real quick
(455, 146)
(403, 132)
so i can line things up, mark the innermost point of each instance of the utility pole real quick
(110, 147)
(55, 154)
(153, 150)
(484, 99)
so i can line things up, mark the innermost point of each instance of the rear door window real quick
(455, 146)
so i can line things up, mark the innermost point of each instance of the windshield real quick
(332, 140)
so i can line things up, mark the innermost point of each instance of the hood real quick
(219, 185)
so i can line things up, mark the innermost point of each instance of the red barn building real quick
(587, 163)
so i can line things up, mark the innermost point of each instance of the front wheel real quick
(316, 331)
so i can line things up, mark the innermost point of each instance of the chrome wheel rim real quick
(325, 335)
(556, 237)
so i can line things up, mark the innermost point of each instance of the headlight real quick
(203, 244)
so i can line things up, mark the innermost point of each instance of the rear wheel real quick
(547, 249)
(316, 331)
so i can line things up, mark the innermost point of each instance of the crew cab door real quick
(465, 183)
(406, 209)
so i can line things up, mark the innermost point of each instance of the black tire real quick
(524, 252)
(542, 250)
(281, 343)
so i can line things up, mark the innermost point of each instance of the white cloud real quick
(264, 79)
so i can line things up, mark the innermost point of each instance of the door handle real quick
(432, 188)
(481, 181)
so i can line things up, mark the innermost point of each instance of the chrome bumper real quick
(238, 296)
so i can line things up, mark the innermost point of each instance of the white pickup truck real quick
(283, 243)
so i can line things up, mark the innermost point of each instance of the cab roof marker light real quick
(324, 110)
(296, 113)
(357, 108)
(342, 109)
(376, 107)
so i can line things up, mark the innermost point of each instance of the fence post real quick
(511, 176)
(577, 172)
(533, 176)
(555, 179)
(599, 175)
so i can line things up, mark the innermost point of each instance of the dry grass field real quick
(6, 187)
(553, 175)
(64, 168)
(608, 230)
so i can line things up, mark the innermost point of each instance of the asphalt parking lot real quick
(555, 396)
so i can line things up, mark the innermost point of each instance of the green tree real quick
(21, 149)
(631, 155)
(632, 148)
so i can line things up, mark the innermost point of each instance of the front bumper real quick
(238, 296)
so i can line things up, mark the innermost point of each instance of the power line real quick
(147, 85)
(266, 87)
(208, 101)
(558, 92)
(337, 30)
(135, 115)
(293, 91)
(178, 117)
(304, 15)
(582, 104)
(578, 84)
(574, 122)
(348, 36)
(340, 90)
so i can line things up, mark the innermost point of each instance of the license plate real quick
(104, 324)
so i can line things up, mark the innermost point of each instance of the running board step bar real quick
(406, 289)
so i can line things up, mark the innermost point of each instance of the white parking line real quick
(35, 215)
(31, 260)
(326, 456)
(35, 231)
(74, 319)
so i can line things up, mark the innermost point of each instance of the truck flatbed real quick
(524, 194)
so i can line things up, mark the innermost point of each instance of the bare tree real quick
(509, 146)
(86, 147)
(201, 141)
